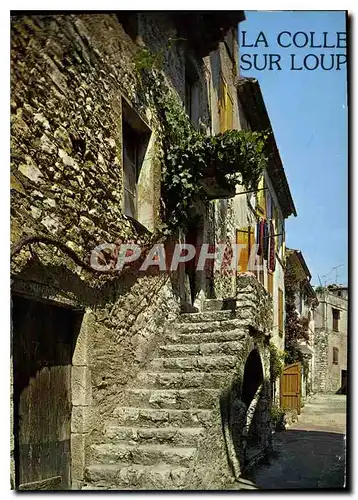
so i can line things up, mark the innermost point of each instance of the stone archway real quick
(255, 395)
(245, 410)
(253, 377)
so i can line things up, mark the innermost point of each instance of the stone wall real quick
(69, 74)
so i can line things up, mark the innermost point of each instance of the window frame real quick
(139, 129)
(335, 319)
(128, 165)
(249, 235)
(192, 85)
(335, 356)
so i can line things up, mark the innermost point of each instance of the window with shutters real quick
(280, 312)
(335, 318)
(335, 355)
(226, 106)
(244, 236)
(135, 139)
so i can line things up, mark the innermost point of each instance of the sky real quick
(308, 113)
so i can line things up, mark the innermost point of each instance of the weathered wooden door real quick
(42, 354)
(290, 394)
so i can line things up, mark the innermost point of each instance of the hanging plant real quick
(188, 156)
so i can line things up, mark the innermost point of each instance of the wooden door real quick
(42, 353)
(290, 393)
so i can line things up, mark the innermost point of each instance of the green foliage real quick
(234, 157)
(277, 361)
(189, 156)
(145, 59)
(277, 416)
(296, 327)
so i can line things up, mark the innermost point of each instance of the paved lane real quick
(311, 453)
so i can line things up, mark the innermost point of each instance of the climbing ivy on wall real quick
(296, 327)
(277, 361)
(187, 155)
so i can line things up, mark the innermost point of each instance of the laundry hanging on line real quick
(272, 260)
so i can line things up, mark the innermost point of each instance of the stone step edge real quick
(115, 468)
(170, 428)
(182, 358)
(145, 392)
(155, 447)
(170, 410)
(198, 345)
(182, 374)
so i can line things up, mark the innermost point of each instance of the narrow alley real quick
(311, 452)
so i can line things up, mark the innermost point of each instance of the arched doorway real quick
(246, 416)
(253, 376)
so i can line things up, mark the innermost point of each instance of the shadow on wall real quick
(94, 292)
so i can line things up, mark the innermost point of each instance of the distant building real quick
(331, 339)
(305, 302)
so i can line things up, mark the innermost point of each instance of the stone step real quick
(219, 304)
(249, 294)
(207, 326)
(144, 454)
(129, 415)
(178, 436)
(91, 487)
(199, 317)
(136, 477)
(180, 399)
(195, 363)
(183, 380)
(204, 349)
(246, 484)
(205, 337)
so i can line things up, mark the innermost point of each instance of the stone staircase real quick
(153, 439)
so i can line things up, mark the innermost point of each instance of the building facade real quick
(331, 340)
(103, 371)
(305, 303)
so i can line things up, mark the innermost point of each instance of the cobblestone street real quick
(311, 453)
